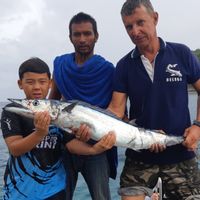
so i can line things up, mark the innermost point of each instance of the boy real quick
(35, 168)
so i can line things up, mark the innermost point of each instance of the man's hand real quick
(192, 137)
(41, 122)
(106, 142)
(156, 148)
(82, 133)
(155, 196)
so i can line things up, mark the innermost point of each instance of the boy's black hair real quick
(83, 17)
(35, 65)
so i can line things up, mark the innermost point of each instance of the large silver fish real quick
(72, 114)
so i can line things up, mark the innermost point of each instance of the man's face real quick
(35, 85)
(83, 38)
(141, 27)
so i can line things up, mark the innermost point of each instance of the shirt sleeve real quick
(194, 74)
(192, 65)
(120, 77)
(10, 124)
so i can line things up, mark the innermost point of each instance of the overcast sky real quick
(40, 28)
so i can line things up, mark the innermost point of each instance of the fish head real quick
(30, 106)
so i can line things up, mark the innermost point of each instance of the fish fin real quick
(159, 131)
(70, 107)
(137, 150)
(66, 130)
(97, 108)
(132, 122)
(130, 146)
(51, 125)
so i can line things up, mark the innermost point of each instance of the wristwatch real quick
(197, 123)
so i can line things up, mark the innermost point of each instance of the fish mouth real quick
(18, 102)
(25, 106)
(19, 109)
(15, 100)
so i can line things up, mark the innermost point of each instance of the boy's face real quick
(35, 85)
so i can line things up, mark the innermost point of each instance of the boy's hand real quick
(41, 122)
(82, 133)
(106, 142)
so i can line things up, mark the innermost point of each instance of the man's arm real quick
(196, 86)
(54, 92)
(118, 104)
(192, 133)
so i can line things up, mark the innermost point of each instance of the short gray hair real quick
(130, 5)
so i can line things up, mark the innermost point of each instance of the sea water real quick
(81, 191)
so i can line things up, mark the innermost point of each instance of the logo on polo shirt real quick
(7, 121)
(174, 74)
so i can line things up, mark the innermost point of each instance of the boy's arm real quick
(19, 145)
(78, 147)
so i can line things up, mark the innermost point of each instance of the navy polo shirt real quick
(163, 103)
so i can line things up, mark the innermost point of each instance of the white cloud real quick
(13, 24)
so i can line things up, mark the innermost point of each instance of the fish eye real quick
(54, 113)
(36, 103)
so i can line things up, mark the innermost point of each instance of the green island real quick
(197, 53)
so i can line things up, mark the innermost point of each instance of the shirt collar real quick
(135, 53)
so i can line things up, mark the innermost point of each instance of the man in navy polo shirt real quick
(154, 76)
